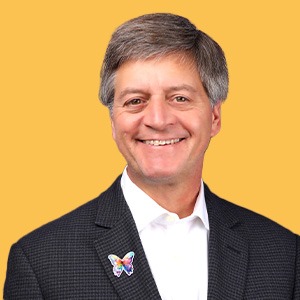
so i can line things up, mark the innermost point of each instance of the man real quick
(158, 232)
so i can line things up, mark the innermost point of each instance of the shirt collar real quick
(145, 210)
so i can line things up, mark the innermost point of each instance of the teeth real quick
(161, 142)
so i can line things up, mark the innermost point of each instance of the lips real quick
(162, 142)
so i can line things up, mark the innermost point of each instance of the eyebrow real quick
(131, 91)
(182, 87)
(176, 88)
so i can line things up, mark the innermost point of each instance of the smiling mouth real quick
(161, 142)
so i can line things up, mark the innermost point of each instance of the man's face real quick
(162, 120)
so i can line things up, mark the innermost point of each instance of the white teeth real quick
(161, 142)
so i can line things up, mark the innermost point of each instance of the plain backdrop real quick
(56, 147)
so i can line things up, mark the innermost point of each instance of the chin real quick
(160, 176)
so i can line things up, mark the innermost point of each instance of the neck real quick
(178, 200)
(177, 197)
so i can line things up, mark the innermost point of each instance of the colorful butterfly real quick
(122, 264)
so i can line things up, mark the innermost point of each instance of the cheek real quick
(123, 128)
(198, 124)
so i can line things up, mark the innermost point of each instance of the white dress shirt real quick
(176, 249)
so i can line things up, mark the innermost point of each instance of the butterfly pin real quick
(124, 264)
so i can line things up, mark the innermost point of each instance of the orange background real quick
(56, 145)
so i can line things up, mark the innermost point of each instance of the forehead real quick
(169, 69)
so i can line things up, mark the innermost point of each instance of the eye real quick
(135, 105)
(181, 99)
(133, 102)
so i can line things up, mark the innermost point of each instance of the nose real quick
(158, 115)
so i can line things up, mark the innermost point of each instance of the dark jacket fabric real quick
(250, 257)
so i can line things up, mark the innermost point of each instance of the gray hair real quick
(158, 35)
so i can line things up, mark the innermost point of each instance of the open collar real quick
(228, 248)
(145, 210)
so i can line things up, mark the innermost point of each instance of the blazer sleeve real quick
(21, 282)
(297, 277)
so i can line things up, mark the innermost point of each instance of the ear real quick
(113, 128)
(216, 119)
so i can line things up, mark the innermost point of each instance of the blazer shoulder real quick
(76, 224)
(252, 222)
(80, 217)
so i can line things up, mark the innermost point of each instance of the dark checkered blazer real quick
(250, 257)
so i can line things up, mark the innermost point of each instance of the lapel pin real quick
(124, 264)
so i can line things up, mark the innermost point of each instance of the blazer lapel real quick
(228, 251)
(119, 236)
